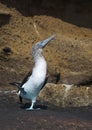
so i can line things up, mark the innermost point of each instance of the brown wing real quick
(26, 78)
(46, 79)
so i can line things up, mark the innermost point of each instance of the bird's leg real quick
(32, 106)
(20, 98)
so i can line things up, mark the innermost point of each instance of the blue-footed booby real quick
(32, 84)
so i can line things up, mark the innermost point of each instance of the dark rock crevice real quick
(4, 19)
(77, 12)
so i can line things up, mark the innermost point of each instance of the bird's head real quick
(38, 47)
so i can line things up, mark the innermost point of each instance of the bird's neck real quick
(37, 57)
(40, 61)
(40, 68)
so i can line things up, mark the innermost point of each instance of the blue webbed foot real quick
(31, 109)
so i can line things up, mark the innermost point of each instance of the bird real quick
(35, 81)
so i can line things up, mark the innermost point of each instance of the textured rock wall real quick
(65, 96)
(69, 55)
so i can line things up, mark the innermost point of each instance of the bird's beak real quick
(44, 42)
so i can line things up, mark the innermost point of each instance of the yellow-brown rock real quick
(58, 95)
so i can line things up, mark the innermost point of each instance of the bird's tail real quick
(15, 84)
(19, 87)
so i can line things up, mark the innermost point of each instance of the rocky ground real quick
(69, 58)
(12, 117)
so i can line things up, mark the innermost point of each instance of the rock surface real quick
(63, 96)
